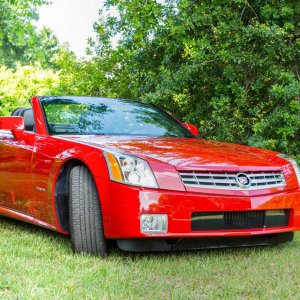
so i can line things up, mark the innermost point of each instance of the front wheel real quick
(86, 226)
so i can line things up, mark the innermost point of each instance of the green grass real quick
(38, 264)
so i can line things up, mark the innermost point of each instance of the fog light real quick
(154, 223)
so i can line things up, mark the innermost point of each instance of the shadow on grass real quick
(229, 251)
(16, 225)
(224, 253)
(63, 242)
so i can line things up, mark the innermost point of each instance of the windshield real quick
(88, 116)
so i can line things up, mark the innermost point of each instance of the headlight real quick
(295, 165)
(130, 170)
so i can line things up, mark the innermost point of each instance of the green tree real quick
(231, 67)
(20, 85)
(19, 40)
(17, 34)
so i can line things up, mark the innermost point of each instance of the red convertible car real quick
(112, 169)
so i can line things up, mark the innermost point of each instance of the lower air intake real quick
(231, 220)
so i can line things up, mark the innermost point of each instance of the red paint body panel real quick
(15, 124)
(30, 166)
(11, 123)
(192, 128)
(40, 125)
(131, 202)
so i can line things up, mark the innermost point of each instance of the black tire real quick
(86, 227)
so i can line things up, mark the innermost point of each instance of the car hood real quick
(185, 153)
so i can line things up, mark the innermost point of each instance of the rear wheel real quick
(86, 227)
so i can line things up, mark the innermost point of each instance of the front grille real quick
(228, 180)
(231, 220)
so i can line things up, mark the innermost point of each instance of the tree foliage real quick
(29, 60)
(19, 40)
(19, 85)
(231, 67)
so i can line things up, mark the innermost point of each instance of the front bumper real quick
(122, 206)
(155, 244)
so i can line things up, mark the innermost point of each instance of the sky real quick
(71, 21)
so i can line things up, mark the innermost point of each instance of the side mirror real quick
(15, 124)
(192, 128)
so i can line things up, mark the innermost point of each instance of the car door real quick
(8, 151)
(16, 172)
